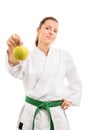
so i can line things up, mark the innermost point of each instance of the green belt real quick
(43, 105)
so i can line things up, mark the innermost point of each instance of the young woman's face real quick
(48, 32)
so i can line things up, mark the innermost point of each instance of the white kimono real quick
(44, 79)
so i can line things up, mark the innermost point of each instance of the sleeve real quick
(74, 87)
(15, 71)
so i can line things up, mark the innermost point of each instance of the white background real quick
(23, 17)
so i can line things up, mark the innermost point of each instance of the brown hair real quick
(41, 23)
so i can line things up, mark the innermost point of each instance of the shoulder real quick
(32, 52)
(63, 52)
(65, 56)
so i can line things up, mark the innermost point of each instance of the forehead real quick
(51, 23)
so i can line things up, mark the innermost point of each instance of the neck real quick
(44, 48)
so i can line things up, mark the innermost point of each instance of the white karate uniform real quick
(44, 79)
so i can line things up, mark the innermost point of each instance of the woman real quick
(44, 74)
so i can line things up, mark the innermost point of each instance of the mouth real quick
(49, 37)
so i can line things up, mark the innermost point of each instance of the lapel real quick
(51, 65)
(52, 62)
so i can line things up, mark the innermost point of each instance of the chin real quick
(48, 43)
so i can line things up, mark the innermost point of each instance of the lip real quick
(49, 37)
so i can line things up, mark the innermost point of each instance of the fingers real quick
(14, 41)
(65, 104)
(17, 39)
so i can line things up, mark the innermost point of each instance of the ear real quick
(38, 31)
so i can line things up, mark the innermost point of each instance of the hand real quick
(65, 104)
(14, 41)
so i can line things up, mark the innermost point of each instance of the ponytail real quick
(36, 41)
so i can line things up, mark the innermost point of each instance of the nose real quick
(51, 32)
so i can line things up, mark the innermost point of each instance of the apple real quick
(20, 52)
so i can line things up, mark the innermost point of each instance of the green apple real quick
(20, 52)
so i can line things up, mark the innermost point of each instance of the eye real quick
(55, 31)
(47, 28)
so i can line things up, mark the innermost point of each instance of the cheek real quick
(43, 35)
(55, 36)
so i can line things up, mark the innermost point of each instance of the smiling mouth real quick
(50, 38)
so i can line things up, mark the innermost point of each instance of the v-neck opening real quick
(43, 52)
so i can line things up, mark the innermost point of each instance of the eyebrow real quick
(51, 26)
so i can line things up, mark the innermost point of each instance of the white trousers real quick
(42, 120)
